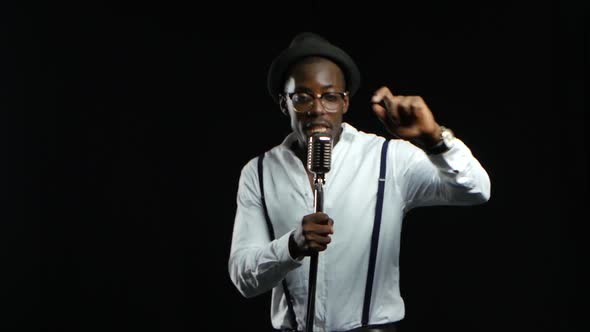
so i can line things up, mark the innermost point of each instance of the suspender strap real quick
(271, 231)
(375, 235)
(272, 236)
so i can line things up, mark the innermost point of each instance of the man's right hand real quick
(312, 235)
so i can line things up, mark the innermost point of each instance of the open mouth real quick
(312, 128)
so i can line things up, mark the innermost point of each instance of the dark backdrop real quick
(135, 119)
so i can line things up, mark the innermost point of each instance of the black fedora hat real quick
(310, 44)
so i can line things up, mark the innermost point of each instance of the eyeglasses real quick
(303, 101)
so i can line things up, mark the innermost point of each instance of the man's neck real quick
(300, 152)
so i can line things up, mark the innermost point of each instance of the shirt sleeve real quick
(257, 263)
(454, 177)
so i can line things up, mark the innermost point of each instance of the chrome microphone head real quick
(319, 151)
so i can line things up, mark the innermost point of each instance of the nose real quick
(317, 108)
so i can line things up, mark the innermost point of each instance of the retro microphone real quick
(319, 151)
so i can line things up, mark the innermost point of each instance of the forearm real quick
(454, 177)
(257, 269)
(465, 180)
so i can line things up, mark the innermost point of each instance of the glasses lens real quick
(302, 101)
(332, 100)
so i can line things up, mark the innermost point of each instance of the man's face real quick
(315, 76)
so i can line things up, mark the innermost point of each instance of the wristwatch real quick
(447, 138)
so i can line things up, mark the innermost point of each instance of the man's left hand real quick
(406, 117)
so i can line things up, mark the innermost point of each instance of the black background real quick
(134, 119)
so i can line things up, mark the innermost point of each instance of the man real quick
(357, 236)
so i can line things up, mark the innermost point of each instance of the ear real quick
(283, 105)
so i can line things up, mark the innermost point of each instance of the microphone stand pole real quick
(318, 196)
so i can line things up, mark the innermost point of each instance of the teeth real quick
(318, 130)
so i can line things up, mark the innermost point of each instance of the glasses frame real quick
(319, 96)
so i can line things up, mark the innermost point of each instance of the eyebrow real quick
(305, 89)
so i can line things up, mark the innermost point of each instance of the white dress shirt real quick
(258, 264)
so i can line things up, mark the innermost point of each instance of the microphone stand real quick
(318, 196)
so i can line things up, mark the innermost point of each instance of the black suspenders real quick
(272, 236)
(374, 237)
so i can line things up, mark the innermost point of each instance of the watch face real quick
(447, 136)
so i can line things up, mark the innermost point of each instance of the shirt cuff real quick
(455, 160)
(281, 248)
